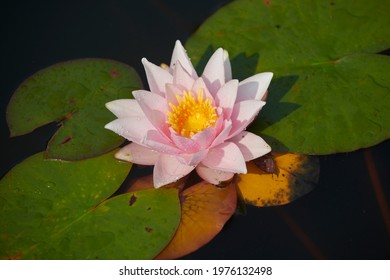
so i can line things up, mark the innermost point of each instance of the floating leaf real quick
(278, 179)
(73, 93)
(205, 210)
(331, 91)
(50, 209)
(146, 182)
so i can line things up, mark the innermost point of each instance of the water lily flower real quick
(186, 122)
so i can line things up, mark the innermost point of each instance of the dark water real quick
(343, 218)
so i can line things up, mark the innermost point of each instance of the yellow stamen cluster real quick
(191, 115)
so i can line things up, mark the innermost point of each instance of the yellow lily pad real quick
(278, 179)
(205, 209)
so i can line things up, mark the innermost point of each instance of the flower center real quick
(191, 115)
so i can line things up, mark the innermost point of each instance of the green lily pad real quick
(331, 88)
(74, 94)
(51, 209)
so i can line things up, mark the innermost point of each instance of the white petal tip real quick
(225, 54)
(124, 156)
(108, 105)
(108, 126)
(179, 44)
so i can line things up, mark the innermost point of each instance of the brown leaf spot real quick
(265, 163)
(17, 256)
(114, 73)
(68, 116)
(66, 140)
(148, 229)
(220, 34)
(132, 200)
(267, 2)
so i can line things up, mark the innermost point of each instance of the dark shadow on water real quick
(137, 171)
(21, 147)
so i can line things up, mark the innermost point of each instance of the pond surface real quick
(345, 217)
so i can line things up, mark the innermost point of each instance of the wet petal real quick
(157, 142)
(181, 78)
(169, 169)
(157, 77)
(132, 128)
(243, 114)
(192, 159)
(223, 135)
(137, 154)
(227, 66)
(254, 87)
(205, 137)
(226, 97)
(226, 157)
(171, 91)
(214, 72)
(213, 176)
(123, 108)
(155, 107)
(185, 144)
(251, 145)
(180, 54)
(198, 85)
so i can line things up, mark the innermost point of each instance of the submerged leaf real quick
(331, 88)
(205, 210)
(291, 177)
(51, 209)
(73, 93)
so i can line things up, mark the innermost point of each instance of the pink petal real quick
(132, 128)
(157, 77)
(181, 78)
(171, 91)
(154, 140)
(214, 71)
(220, 122)
(180, 54)
(169, 169)
(226, 157)
(192, 159)
(123, 108)
(243, 114)
(205, 137)
(223, 135)
(251, 145)
(254, 87)
(226, 97)
(213, 176)
(200, 85)
(185, 144)
(137, 154)
(227, 66)
(155, 107)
